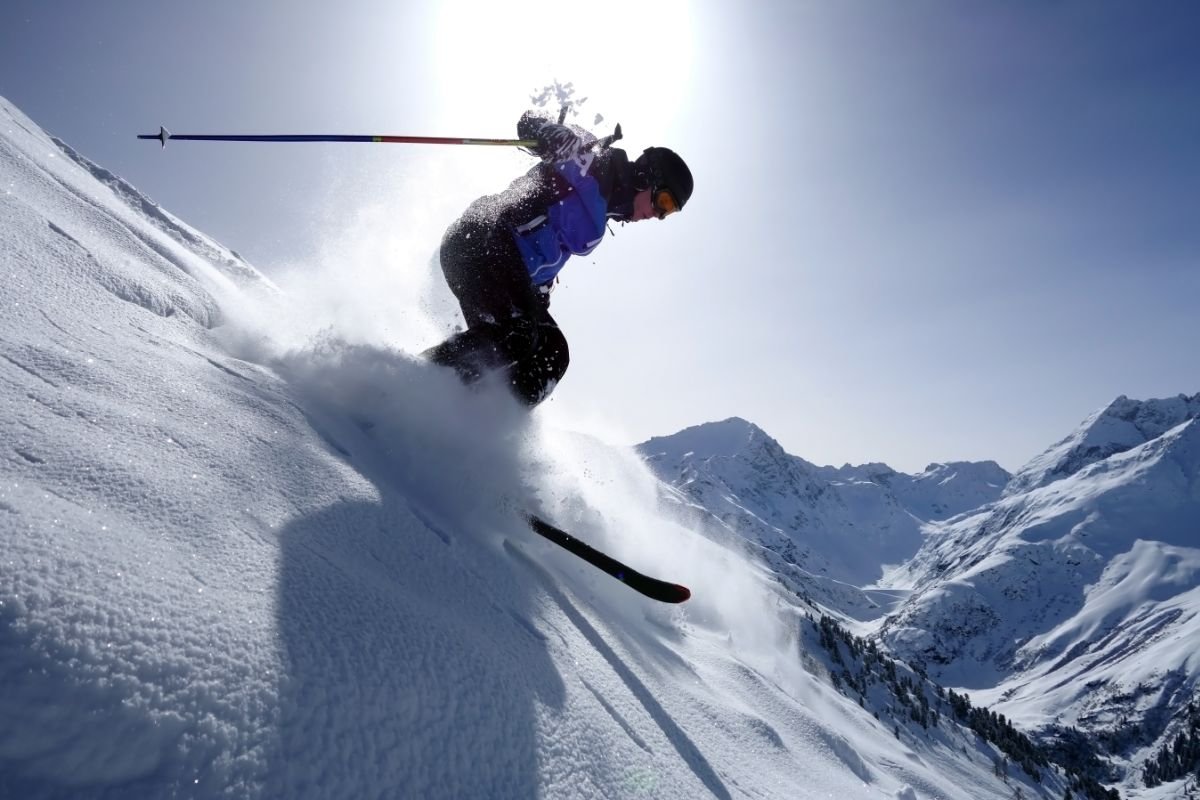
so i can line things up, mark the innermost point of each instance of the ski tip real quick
(682, 593)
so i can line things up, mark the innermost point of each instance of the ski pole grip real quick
(607, 140)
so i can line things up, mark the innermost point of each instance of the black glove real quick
(555, 143)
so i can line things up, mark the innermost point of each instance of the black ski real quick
(651, 587)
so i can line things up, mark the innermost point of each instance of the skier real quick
(502, 256)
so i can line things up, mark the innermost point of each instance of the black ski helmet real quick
(660, 168)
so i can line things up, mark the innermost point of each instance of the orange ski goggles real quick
(664, 203)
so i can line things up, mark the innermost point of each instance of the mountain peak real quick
(1120, 426)
(1154, 417)
(725, 439)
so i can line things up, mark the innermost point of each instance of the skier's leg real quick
(535, 376)
(484, 270)
(470, 353)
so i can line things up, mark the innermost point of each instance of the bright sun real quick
(628, 59)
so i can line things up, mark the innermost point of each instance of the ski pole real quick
(163, 135)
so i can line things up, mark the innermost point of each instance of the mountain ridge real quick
(1121, 425)
(1062, 597)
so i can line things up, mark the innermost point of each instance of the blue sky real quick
(922, 231)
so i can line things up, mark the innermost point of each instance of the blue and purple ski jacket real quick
(572, 224)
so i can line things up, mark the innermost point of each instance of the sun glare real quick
(630, 61)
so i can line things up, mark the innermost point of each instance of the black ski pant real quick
(509, 327)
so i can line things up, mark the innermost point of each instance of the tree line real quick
(859, 665)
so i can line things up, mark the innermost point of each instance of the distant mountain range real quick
(1065, 596)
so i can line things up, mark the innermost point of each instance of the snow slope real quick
(245, 555)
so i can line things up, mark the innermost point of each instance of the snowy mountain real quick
(1073, 601)
(830, 533)
(941, 491)
(1119, 427)
(1065, 598)
(246, 554)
